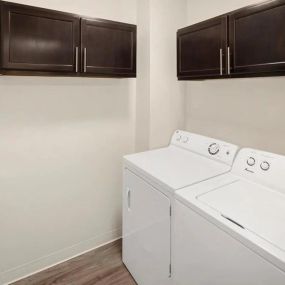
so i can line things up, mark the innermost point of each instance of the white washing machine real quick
(231, 230)
(150, 179)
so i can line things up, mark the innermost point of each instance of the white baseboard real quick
(58, 257)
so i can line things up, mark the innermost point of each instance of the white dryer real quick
(150, 179)
(231, 230)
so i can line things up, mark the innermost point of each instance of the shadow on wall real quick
(39, 100)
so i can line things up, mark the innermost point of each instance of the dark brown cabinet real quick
(257, 39)
(251, 42)
(38, 40)
(46, 42)
(202, 48)
(108, 47)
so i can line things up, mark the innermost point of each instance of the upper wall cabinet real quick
(108, 47)
(201, 49)
(254, 44)
(257, 39)
(38, 39)
(47, 42)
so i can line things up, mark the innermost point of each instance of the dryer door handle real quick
(129, 198)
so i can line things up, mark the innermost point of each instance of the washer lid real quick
(256, 208)
(175, 167)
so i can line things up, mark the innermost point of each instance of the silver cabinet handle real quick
(85, 60)
(129, 198)
(221, 61)
(229, 60)
(76, 59)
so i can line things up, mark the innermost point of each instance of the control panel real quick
(263, 167)
(211, 148)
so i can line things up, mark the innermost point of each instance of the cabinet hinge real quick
(170, 211)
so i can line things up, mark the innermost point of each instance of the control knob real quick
(251, 161)
(178, 139)
(265, 165)
(214, 149)
(185, 140)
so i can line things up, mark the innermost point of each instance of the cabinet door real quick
(146, 231)
(108, 48)
(257, 39)
(35, 39)
(201, 49)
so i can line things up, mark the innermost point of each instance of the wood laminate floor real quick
(102, 266)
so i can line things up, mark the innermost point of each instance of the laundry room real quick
(142, 142)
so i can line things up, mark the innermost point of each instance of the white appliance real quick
(231, 230)
(150, 179)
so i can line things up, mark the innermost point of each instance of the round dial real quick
(251, 161)
(179, 138)
(185, 140)
(265, 165)
(214, 149)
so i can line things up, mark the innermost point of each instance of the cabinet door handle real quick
(229, 60)
(85, 60)
(221, 61)
(76, 59)
(129, 198)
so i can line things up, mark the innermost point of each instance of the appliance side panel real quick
(200, 246)
(146, 231)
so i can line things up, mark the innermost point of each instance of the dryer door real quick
(146, 231)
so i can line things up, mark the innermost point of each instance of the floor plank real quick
(102, 266)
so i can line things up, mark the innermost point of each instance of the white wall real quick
(143, 75)
(205, 9)
(160, 97)
(249, 112)
(61, 147)
(166, 93)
